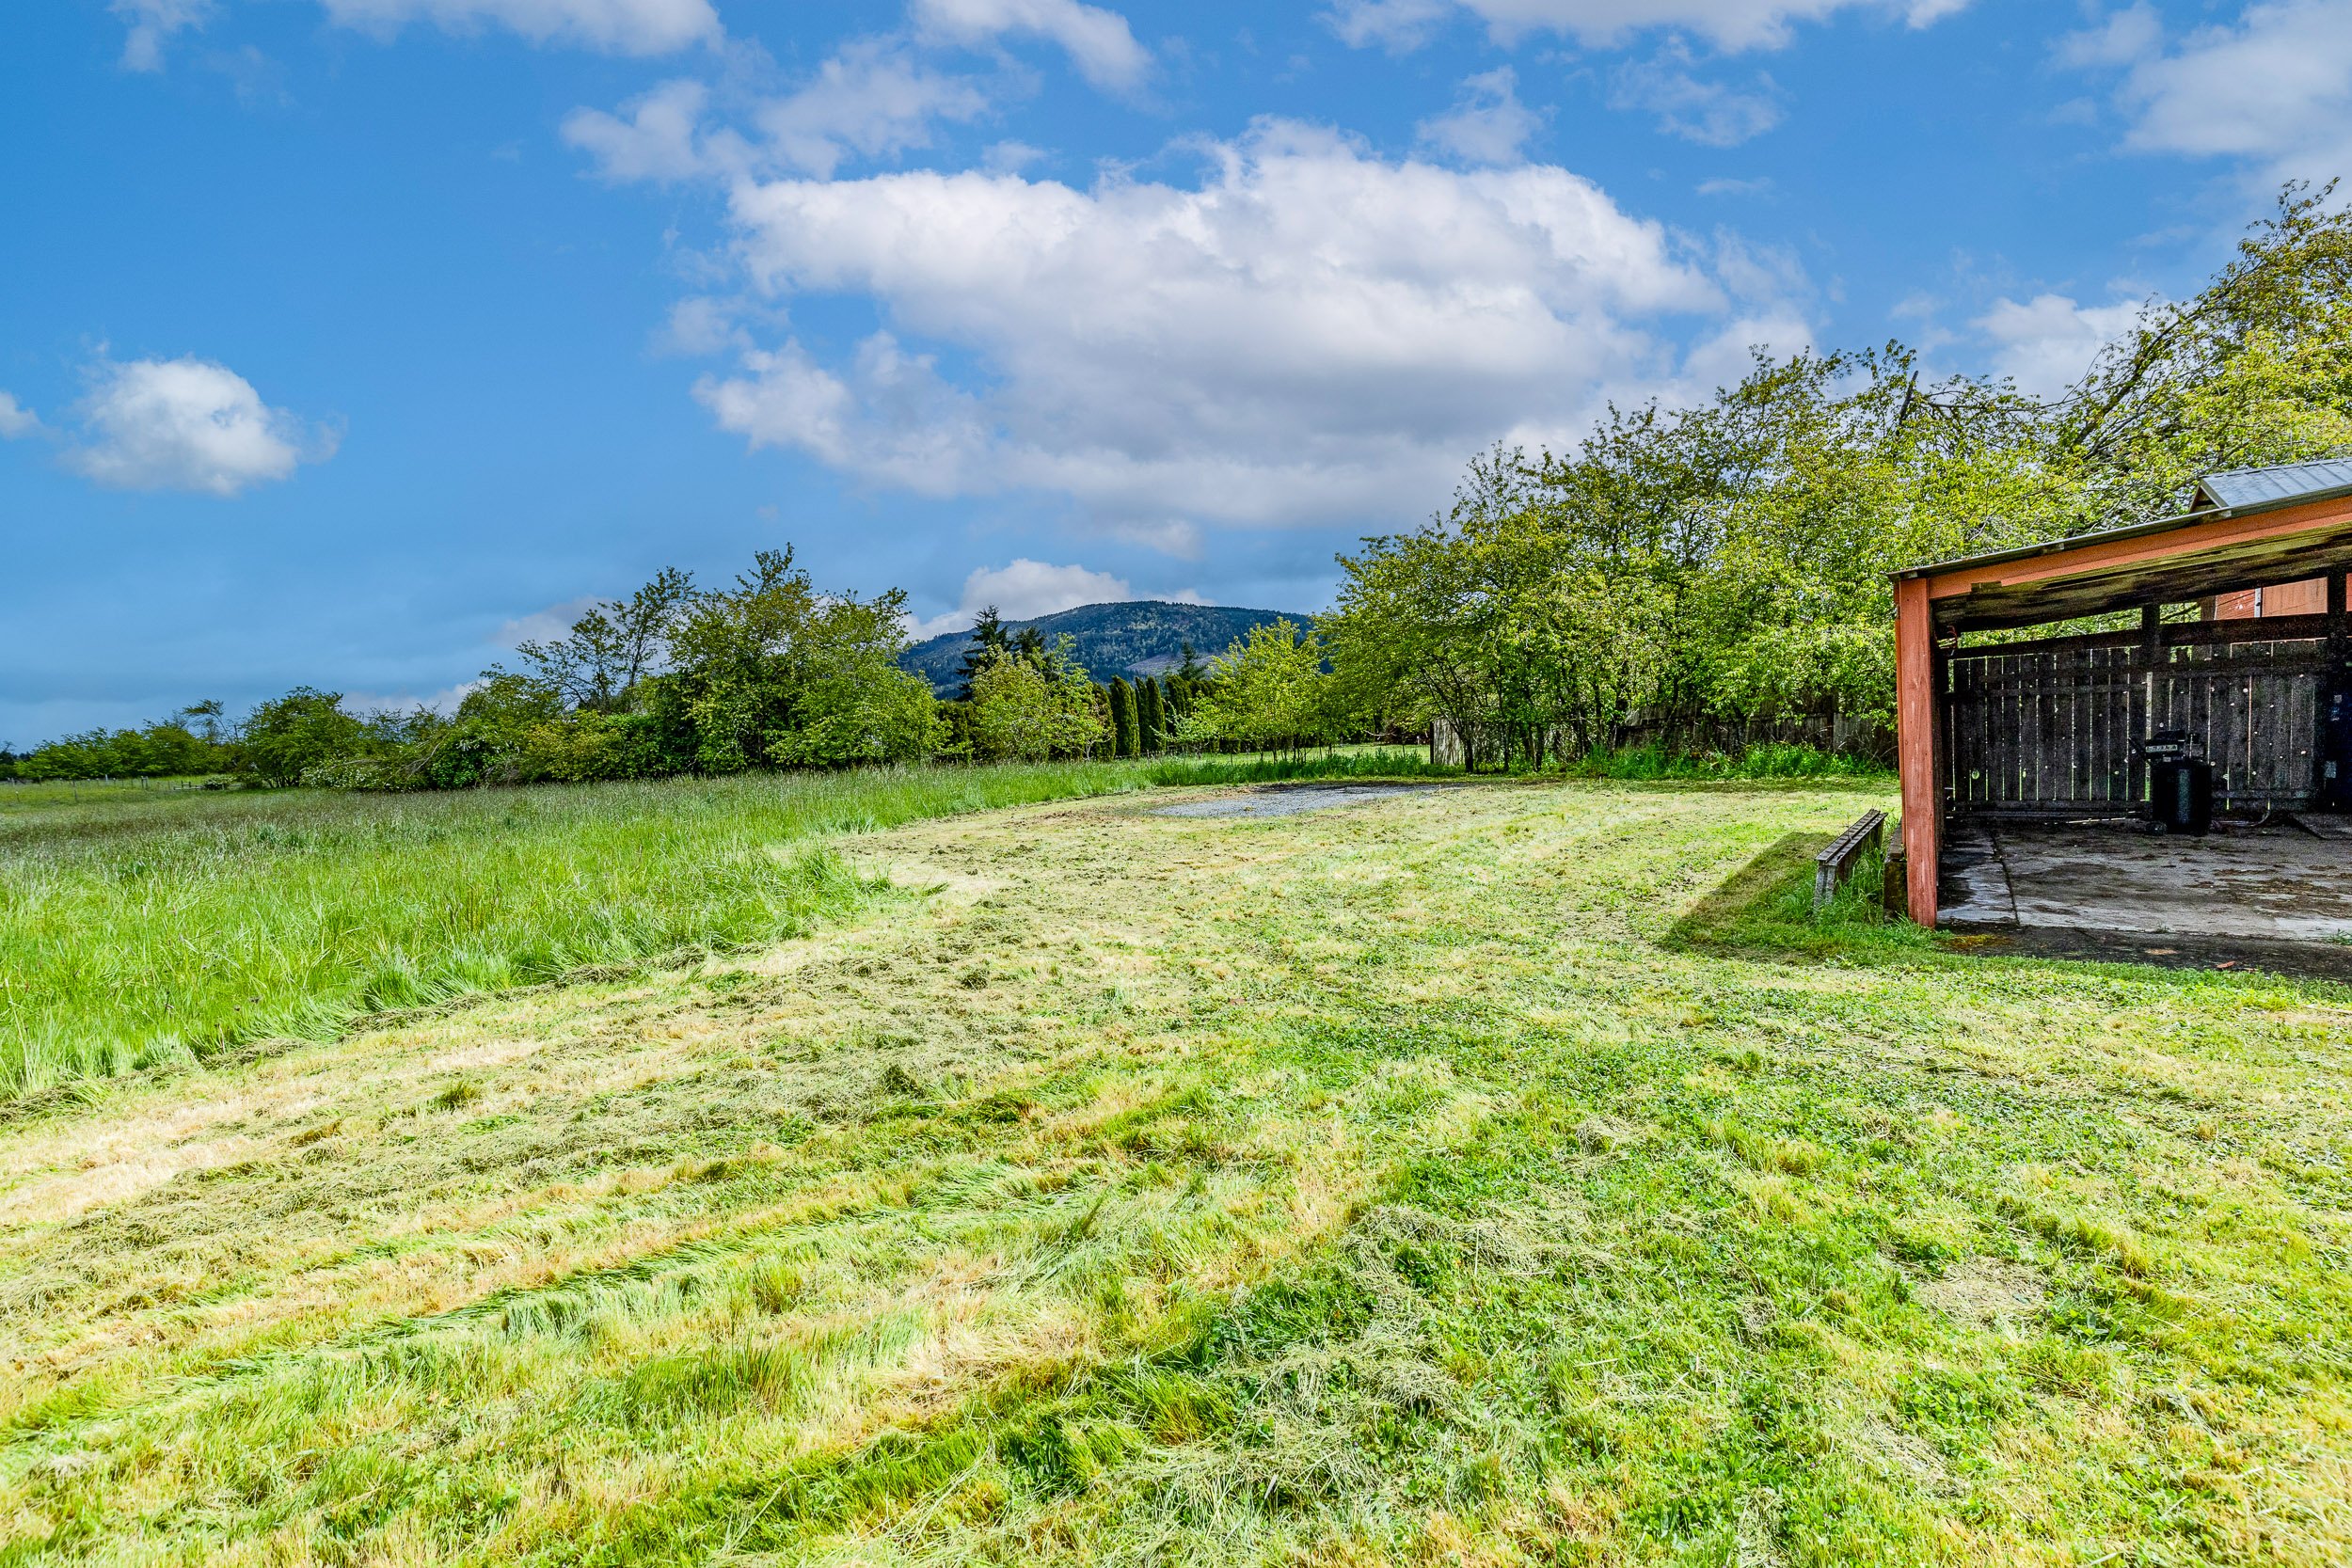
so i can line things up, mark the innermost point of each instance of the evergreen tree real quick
(1123, 718)
(1150, 717)
(988, 645)
(1189, 668)
(1176, 702)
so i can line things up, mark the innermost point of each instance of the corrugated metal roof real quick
(2268, 486)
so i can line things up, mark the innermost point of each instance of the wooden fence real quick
(2054, 728)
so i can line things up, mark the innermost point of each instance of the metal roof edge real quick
(2131, 530)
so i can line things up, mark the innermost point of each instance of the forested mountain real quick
(1139, 637)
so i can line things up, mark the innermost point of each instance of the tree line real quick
(769, 672)
(1718, 576)
(1706, 576)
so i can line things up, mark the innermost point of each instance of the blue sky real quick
(345, 341)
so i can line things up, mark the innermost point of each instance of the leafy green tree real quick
(769, 672)
(204, 719)
(862, 709)
(1270, 693)
(2254, 369)
(614, 644)
(1032, 709)
(287, 736)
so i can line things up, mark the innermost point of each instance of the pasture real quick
(1503, 1173)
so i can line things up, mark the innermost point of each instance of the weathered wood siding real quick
(2056, 727)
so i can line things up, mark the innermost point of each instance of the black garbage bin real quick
(2180, 784)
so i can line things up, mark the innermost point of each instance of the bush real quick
(1379, 764)
(290, 736)
(1767, 761)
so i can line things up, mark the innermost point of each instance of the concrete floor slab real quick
(2275, 883)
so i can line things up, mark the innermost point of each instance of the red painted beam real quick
(2108, 555)
(1915, 744)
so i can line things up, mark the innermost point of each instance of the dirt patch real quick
(1290, 799)
(1986, 1292)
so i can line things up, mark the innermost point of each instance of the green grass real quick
(1516, 1173)
(1770, 760)
(143, 924)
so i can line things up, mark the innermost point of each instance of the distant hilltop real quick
(1136, 637)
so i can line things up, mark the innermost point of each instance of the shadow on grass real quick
(1749, 910)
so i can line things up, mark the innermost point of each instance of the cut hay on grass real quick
(1505, 1173)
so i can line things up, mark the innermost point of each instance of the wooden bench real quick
(1836, 864)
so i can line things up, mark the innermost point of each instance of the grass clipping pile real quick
(1406, 1183)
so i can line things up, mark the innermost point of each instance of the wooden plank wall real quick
(2054, 728)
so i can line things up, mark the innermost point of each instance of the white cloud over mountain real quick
(1311, 332)
(186, 425)
(1023, 589)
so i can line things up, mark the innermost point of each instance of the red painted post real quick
(1915, 744)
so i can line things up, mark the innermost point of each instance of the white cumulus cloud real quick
(1697, 110)
(659, 141)
(1728, 25)
(1308, 332)
(1488, 123)
(615, 27)
(1098, 41)
(871, 99)
(148, 24)
(2273, 89)
(186, 425)
(2046, 343)
(15, 419)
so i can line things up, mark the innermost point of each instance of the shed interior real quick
(2024, 759)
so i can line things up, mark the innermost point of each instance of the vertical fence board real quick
(2059, 729)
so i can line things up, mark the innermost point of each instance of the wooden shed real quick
(2241, 643)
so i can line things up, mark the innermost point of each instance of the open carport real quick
(2026, 762)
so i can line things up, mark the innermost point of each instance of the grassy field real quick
(142, 925)
(1505, 1173)
(149, 923)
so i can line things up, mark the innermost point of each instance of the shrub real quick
(289, 735)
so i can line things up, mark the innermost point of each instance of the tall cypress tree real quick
(1122, 718)
(1150, 717)
(988, 645)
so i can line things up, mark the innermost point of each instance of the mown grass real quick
(1507, 1173)
(142, 925)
